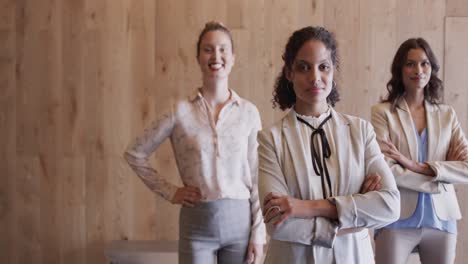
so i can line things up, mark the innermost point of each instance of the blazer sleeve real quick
(452, 171)
(373, 209)
(271, 179)
(404, 178)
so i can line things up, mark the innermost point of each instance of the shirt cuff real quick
(169, 193)
(258, 235)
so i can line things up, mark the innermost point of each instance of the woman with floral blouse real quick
(213, 134)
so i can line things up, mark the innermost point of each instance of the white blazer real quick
(442, 128)
(283, 169)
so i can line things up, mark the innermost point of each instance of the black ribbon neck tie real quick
(318, 161)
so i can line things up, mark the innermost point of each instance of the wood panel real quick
(456, 94)
(343, 18)
(142, 210)
(79, 79)
(8, 229)
(457, 8)
(456, 65)
(72, 207)
(422, 18)
(375, 52)
(27, 211)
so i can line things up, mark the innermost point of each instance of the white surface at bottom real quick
(142, 252)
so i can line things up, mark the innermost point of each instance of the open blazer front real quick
(442, 128)
(283, 168)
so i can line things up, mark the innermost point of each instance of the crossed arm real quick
(293, 219)
(424, 176)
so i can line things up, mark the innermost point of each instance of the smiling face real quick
(215, 57)
(312, 74)
(416, 71)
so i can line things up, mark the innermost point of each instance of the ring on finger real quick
(272, 208)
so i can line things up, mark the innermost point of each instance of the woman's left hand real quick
(254, 253)
(372, 182)
(277, 204)
(389, 150)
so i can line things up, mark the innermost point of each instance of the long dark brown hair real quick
(395, 87)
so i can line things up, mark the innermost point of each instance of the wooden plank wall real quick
(456, 81)
(80, 78)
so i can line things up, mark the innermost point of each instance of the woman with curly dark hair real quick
(427, 152)
(322, 178)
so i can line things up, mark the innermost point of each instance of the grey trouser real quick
(214, 231)
(393, 246)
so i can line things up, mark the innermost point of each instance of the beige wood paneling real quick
(79, 79)
(457, 8)
(422, 18)
(373, 55)
(8, 225)
(456, 94)
(27, 211)
(456, 65)
(72, 207)
(142, 210)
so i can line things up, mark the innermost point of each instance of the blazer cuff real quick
(325, 232)
(438, 170)
(347, 217)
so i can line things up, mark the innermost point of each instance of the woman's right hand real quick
(187, 196)
(457, 152)
(275, 204)
(283, 206)
(391, 151)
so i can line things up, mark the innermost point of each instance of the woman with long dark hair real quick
(426, 150)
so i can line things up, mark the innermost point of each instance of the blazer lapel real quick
(433, 130)
(408, 128)
(341, 136)
(296, 149)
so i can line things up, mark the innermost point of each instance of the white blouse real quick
(332, 162)
(219, 158)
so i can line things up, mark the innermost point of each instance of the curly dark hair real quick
(213, 26)
(395, 87)
(283, 94)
